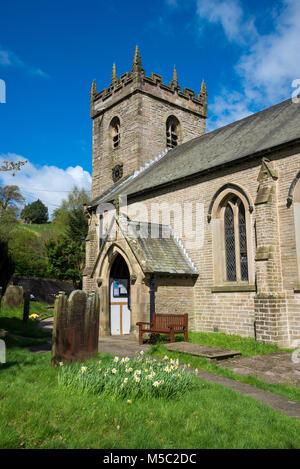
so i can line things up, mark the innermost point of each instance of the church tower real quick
(136, 118)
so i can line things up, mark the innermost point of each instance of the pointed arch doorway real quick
(119, 297)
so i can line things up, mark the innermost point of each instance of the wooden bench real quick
(170, 324)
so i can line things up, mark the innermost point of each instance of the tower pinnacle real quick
(174, 78)
(114, 77)
(137, 63)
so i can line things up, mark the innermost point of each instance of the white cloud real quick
(266, 68)
(229, 14)
(10, 59)
(272, 63)
(226, 108)
(48, 183)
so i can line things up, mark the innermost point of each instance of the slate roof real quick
(158, 250)
(253, 135)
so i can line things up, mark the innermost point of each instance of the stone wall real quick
(271, 303)
(76, 327)
(44, 289)
(142, 104)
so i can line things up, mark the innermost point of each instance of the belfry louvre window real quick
(115, 132)
(235, 241)
(172, 131)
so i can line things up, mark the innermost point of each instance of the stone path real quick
(276, 367)
(214, 353)
(128, 346)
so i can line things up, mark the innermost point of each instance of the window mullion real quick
(237, 243)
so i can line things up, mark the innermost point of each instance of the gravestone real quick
(13, 297)
(76, 327)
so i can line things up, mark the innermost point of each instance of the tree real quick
(6, 265)
(36, 212)
(76, 199)
(11, 166)
(65, 259)
(10, 197)
(77, 225)
(66, 255)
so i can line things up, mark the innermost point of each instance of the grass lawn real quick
(11, 319)
(43, 229)
(39, 412)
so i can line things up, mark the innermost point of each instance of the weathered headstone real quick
(13, 297)
(76, 327)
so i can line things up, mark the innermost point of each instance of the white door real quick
(119, 308)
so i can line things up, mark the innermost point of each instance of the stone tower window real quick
(172, 131)
(115, 132)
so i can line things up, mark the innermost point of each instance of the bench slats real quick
(170, 324)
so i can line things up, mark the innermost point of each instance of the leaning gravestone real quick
(76, 327)
(13, 297)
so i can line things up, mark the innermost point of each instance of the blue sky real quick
(247, 51)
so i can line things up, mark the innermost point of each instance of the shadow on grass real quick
(15, 326)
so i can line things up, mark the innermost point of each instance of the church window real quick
(172, 131)
(235, 241)
(115, 132)
(297, 228)
(232, 237)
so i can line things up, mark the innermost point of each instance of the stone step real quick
(213, 353)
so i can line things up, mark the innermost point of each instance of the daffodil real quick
(125, 380)
(116, 359)
(129, 401)
(83, 369)
(156, 384)
(114, 371)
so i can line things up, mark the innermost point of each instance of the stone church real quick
(184, 221)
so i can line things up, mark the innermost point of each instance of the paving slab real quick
(274, 368)
(122, 346)
(214, 353)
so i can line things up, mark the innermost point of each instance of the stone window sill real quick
(234, 288)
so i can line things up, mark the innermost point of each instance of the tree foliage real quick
(10, 197)
(76, 199)
(36, 212)
(12, 166)
(6, 265)
(28, 253)
(66, 259)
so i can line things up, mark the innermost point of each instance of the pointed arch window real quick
(235, 241)
(115, 132)
(296, 205)
(232, 239)
(172, 132)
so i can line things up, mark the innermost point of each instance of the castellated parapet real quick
(141, 106)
